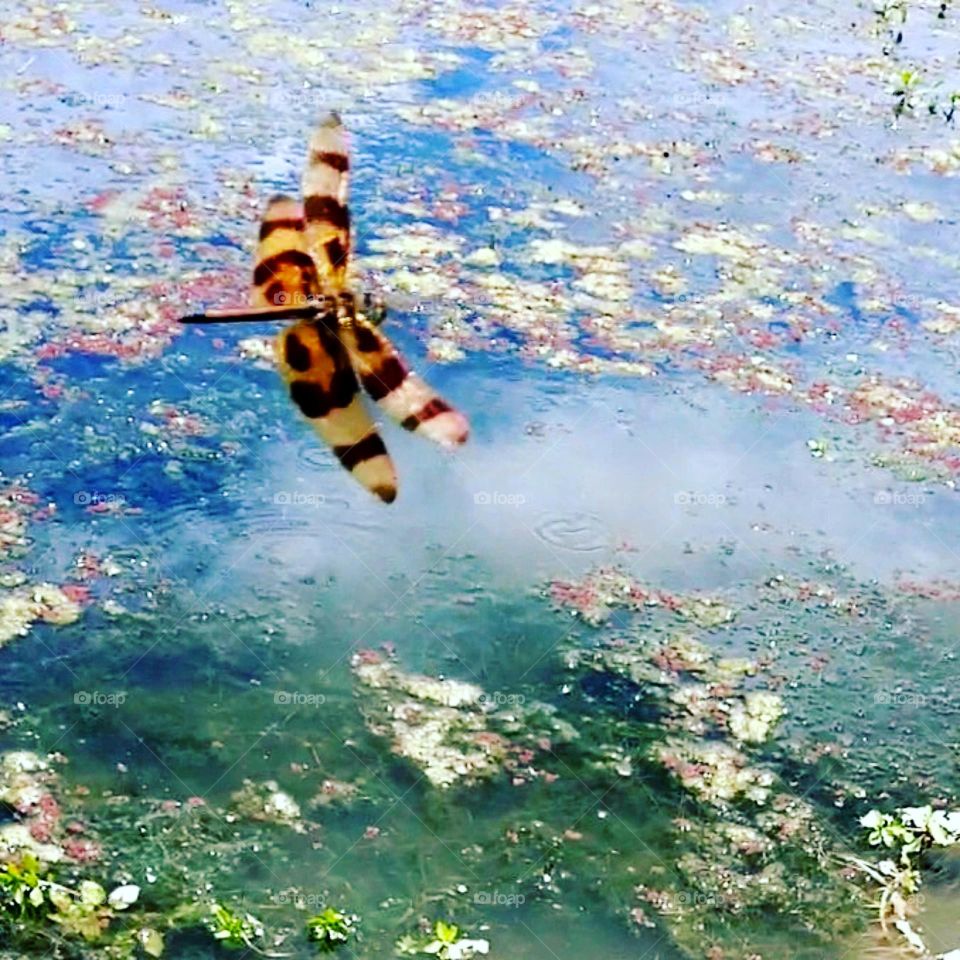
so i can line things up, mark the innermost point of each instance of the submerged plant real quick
(331, 929)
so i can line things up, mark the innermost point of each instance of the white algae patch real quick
(452, 730)
(439, 725)
(268, 803)
(24, 783)
(21, 608)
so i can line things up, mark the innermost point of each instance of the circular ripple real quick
(314, 454)
(582, 532)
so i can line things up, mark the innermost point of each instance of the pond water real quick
(619, 677)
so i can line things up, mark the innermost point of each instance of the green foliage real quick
(20, 890)
(912, 830)
(904, 89)
(331, 929)
(28, 892)
(233, 929)
(81, 913)
(447, 943)
(909, 832)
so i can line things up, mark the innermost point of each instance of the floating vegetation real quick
(22, 604)
(445, 941)
(453, 731)
(332, 929)
(234, 929)
(752, 844)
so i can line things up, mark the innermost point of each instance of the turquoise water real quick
(687, 272)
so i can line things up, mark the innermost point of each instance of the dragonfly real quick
(334, 345)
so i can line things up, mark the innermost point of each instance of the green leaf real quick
(408, 945)
(446, 932)
(60, 899)
(92, 894)
(151, 941)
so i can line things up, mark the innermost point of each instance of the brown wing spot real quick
(296, 353)
(288, 258)
(433, 409)
(330, 341)
(385, 379)
(316, 403)
(311, 398)
(343, 388)
(339, 161)
(335, 252)
(281, 223)
(329, 210)
(366, 449)
(367, 341)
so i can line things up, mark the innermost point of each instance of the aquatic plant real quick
(444, 941)
(910, 832)
(28, 892)
(748, 841)
(904, 89)
(234, 929)
(331, 929)
(20, 886)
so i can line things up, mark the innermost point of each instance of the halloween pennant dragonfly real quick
(333, 348)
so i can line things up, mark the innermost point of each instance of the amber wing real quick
(325, 187)
(313, 361)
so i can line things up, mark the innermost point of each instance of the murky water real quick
(688, 270)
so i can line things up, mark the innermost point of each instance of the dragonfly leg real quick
(374, 309)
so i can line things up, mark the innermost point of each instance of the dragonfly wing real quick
(312, 359)
(399, 392)
(325, 185)
(323, 385)
(285, 274)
